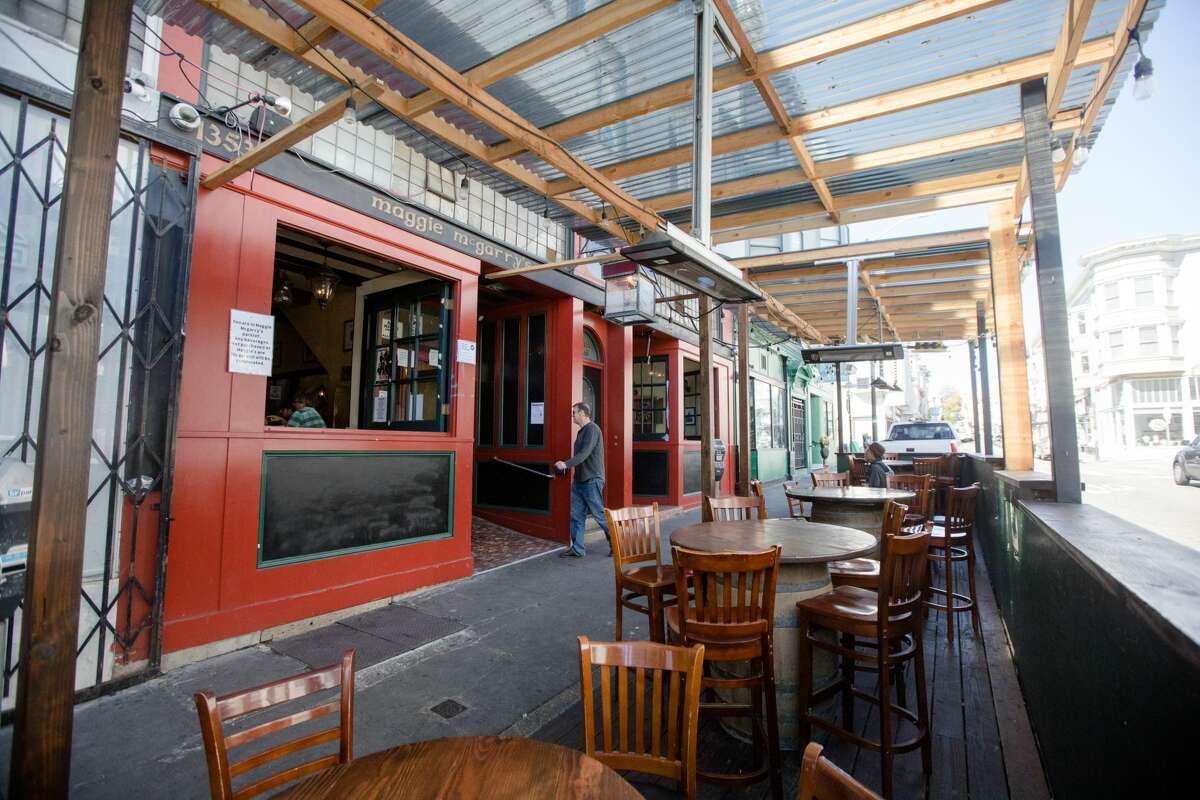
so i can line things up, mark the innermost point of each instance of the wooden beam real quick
(1095, 102)
(402, 53)
(571, 34)
(906, 244)
(45, 699)
(573, 262)
(1066, 50)
(972, 82)
(957, 183)
(969, 197)
(317, 31)
(293, 134)
(815, 48)
(742, 386)
(1016, 421)
(878, 267)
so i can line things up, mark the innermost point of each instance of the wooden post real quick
(41, 755)
(975, 397)
(743, 400)
(984, 384)
(1016, 423)
(1052, 294)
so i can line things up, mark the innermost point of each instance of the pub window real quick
(486, 424)
(535, 382)
(650, 398)
(591, 347)
(404, 364)
(761, 398)
(510, 366)
(691, 399)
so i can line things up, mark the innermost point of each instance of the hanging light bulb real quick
(1143, 78)
(350, 115)
(1080, 156)
(283, 295)
(1057, 153)
(322, 289)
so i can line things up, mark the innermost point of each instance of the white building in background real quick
(1135, 341)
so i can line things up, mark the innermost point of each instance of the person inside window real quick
(877, 471)
(304, 415)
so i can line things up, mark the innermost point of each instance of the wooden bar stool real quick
(858, 471)
(795, 504)
(649, 588)
(951, 542)
(215, 712)
(830, 479)
(922, 506)
(864, 572)
(731, 612)
(726, 509)
(821, 779)
(673, 672)
(893, 619)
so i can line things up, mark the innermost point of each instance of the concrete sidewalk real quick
(501, 645)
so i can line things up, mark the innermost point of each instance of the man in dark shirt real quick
(587, 490)
(877, 471)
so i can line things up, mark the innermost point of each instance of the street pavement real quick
(1138, 487)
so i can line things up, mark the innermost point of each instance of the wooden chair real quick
(756, 489)
(864, 572)
(643, 583)
(725, 509)
(931, 465)
(821, 779)
(731, 612)
(894, 619)
(952, 542)
(830, 479)
(670, 749)
(216, 711)
(921, 508)
(858, 471)
(795, 504)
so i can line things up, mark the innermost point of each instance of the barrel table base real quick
(796, 582)
(864, 517)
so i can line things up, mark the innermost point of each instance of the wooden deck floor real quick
(982, 744)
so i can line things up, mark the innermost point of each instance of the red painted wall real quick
(214, 588)
(676, 350)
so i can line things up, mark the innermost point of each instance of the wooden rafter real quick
(1095, 102)
(879, 266)
(766, 89)
(578, 31)
(1066, 51)
(277, 33)
(906, 244)
(293, 134)
(318, 31)
(969, 197)
(815, 48)
(401, 52)
(972, 82)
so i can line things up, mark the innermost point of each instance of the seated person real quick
(877, 471)
(304, 415)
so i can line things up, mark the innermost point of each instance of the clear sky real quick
(1142, 179)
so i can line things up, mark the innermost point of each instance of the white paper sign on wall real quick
(251, 337)
(466, 352)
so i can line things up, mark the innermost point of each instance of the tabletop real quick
(849, 494)
(470, 767)
(803, 542)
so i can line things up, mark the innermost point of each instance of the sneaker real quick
(569, 553)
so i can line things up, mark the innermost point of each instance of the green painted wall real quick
(769, 465)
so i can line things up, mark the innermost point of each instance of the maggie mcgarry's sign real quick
(220, 140)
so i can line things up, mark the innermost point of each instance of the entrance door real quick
(799, 435)
(592, 392)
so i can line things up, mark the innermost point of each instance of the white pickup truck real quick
(921, 438)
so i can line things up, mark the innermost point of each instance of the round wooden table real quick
(858, 507)
(469, 767)
(807, 549)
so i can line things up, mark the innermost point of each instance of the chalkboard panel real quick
(650, 478)
(504, 486)
(316, 504)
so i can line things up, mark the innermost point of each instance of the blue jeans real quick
(586, 497)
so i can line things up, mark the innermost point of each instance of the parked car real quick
(921, 438)
(1186, 467)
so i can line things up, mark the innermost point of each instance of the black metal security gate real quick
(799, 435)
(138, 371)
